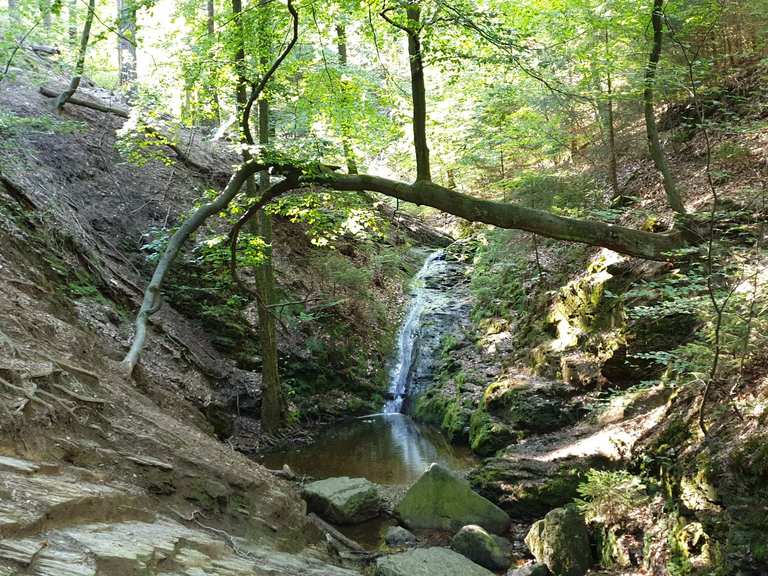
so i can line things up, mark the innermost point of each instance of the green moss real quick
(487, 435)
(447, 413)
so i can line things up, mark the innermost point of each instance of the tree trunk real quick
(126, 43)
(45, 11)
(654, 143)
(418, 94)
(72, 23)
(609, 125)
(272, 408)
(74, 84)
(349, 153)
(214, 95)
(13, 10)
(273, 411)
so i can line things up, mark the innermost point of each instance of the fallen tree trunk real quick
(92, 104)
(646, 245)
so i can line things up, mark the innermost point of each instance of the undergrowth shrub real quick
(610, 496)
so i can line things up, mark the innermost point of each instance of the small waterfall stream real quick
(398, 380)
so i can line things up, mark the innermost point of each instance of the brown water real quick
(385, 448)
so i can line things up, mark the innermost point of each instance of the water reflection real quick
(385, 448)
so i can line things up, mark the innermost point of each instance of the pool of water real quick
(385, 448)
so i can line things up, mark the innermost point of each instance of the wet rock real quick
(440, 500)
(560, 541)
(483, 548)
(530, 570)
(428, 562)
(343, 500)
(399, 537)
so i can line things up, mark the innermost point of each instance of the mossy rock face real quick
(487, 435)
(441, 501)
(451, 415)
(561, 542)
(527, 488)
(530, 406)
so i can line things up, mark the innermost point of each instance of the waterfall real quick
(398, 377)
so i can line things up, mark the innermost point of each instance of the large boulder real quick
(428, 562)
(343, 500)
(483, 548)
(560, 541)
(439, 500)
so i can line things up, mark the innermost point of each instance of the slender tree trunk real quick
(74, 84)
(13, 9)
(654, 142)
(211, 19)
(419, 95)
(349, 153)
(272, 408)
(72, 23)
(612, 162)
(126, 43)
(273, 411)
(45, 11)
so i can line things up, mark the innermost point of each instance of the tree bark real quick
(273, 412)
(126, 43)
(13, 10)
(72, 22)
(74, 84)
(654, 143)
(609, 124)
(419, 96)
(45, 11)
(211, 26)
(349, 153)
(418, 89)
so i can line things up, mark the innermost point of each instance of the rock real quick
(428, 562)
(529, 488)
(530, 570)
(561, 542)
(399, 537)
(440, 500)
(483, 548)
(487, 434)
(343, 500)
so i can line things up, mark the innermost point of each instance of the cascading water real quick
(398, 379)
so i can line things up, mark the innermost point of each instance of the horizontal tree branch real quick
(647, 245)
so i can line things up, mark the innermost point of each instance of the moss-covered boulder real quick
(487, 434)
(560, 540)
(531, 405)
(489, 550)
(528, 488)
(343, 500)
(439, 500)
